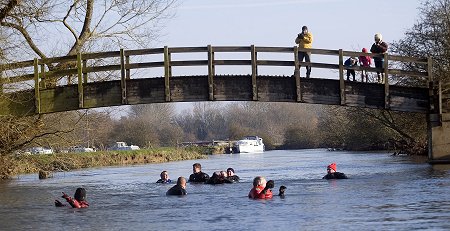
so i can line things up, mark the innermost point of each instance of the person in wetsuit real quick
(218, 178)
(230, 175)
(332, 174)
(261, 188)
(164, 178)
(179, 189)
(198, 176)
(79, 200)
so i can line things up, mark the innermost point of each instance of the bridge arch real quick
(49, 94)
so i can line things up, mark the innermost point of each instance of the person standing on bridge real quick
(304, 40)
(379, 47)
(365, 61)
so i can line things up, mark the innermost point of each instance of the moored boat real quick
(250, 144)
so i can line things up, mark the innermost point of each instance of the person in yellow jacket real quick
(304, 40)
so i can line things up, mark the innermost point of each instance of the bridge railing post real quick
(80, 81)
(123, 81)
(43, 81)
(85, 74)
(167, 73)
(387, 97)
(127, 70)
(434, 96)
(37, 95)
(211, 72)
(341, 76)
(254, 72)
(297, 74)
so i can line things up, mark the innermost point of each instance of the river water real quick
(383, 193)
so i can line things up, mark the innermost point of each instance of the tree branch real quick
(27, 37)
(8, 8)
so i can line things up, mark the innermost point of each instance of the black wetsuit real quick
(198, 177)
(218, 180)
(335, 175)
(177, 191)
(233, 178)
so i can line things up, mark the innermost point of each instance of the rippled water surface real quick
(383, 193)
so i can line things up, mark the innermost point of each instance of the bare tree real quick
(430, 36)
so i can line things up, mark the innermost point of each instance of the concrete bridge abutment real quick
(439, 138)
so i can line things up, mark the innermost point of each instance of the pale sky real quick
(346, 24)
(335, 24)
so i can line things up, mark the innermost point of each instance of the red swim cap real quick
(332, 166)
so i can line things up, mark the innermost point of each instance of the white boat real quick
(122, 146)
(250, 144)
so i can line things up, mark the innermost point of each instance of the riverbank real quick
(24, 164)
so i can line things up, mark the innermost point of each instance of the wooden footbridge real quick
(91, 80)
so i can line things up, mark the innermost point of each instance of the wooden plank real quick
(144, 65)
(341, 77)
(43, 81)
(167, 73)
(320, 51)
(101, 68)
(320, 65)
(254, 72)
(189, 63)
(432, 106)
(36, 87)
(231, 49)
(187, 49)
(127, 64)
(408, 59)
(80, 81)
(60, 59)
(275, 63)
(20, 78)
(274, 49)
(232, 62)
(297, 75)
(404, 73)
(123, 81)
(59, 73)
(100, 55)
(386, 82)
(211, 72)
(16, 65)
(150, 51)
(85, 75)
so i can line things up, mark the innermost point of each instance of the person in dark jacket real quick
(218, 178)
(351, 62)
(231, 176)
(78, 201)
(379, 47)
(332, 174)
(198, 176)
(164, 178)
(281, 191)
(179, 189)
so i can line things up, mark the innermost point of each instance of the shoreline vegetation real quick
(46, 164)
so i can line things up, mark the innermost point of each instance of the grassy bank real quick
(70, 161)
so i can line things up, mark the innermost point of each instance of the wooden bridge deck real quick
(48, 98)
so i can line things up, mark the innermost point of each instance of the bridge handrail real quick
(169, 63)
